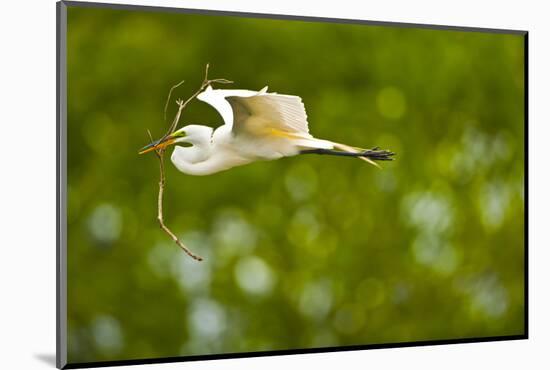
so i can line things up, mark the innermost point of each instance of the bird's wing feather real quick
(216, 99)
(272, 111)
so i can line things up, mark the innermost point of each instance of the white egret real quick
(258, 126)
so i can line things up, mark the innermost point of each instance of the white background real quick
(27, 194)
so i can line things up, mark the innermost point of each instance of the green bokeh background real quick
(302, 252)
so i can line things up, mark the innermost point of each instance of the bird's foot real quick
(378, 155)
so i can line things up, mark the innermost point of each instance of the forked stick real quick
(160, 153)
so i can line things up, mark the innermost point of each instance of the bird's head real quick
(191, 134)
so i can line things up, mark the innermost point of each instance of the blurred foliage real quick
(306, 251)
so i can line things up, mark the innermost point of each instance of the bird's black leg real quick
(330, 152)
(374, 154)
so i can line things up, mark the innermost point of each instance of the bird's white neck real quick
(209, 154)
(186, 161)
(194, 160)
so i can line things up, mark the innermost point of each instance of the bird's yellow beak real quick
(159, 144)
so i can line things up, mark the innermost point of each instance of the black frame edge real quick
(526, 181)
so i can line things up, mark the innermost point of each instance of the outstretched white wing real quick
(258, 112)
(216, 98)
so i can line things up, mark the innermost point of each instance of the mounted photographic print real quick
(234, 184)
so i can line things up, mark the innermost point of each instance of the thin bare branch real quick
(206, 71)
(169, 95)
(160, 214)
(182, 104)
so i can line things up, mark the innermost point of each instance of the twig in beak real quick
(160, 149)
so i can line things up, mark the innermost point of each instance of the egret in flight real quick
(259, 125)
